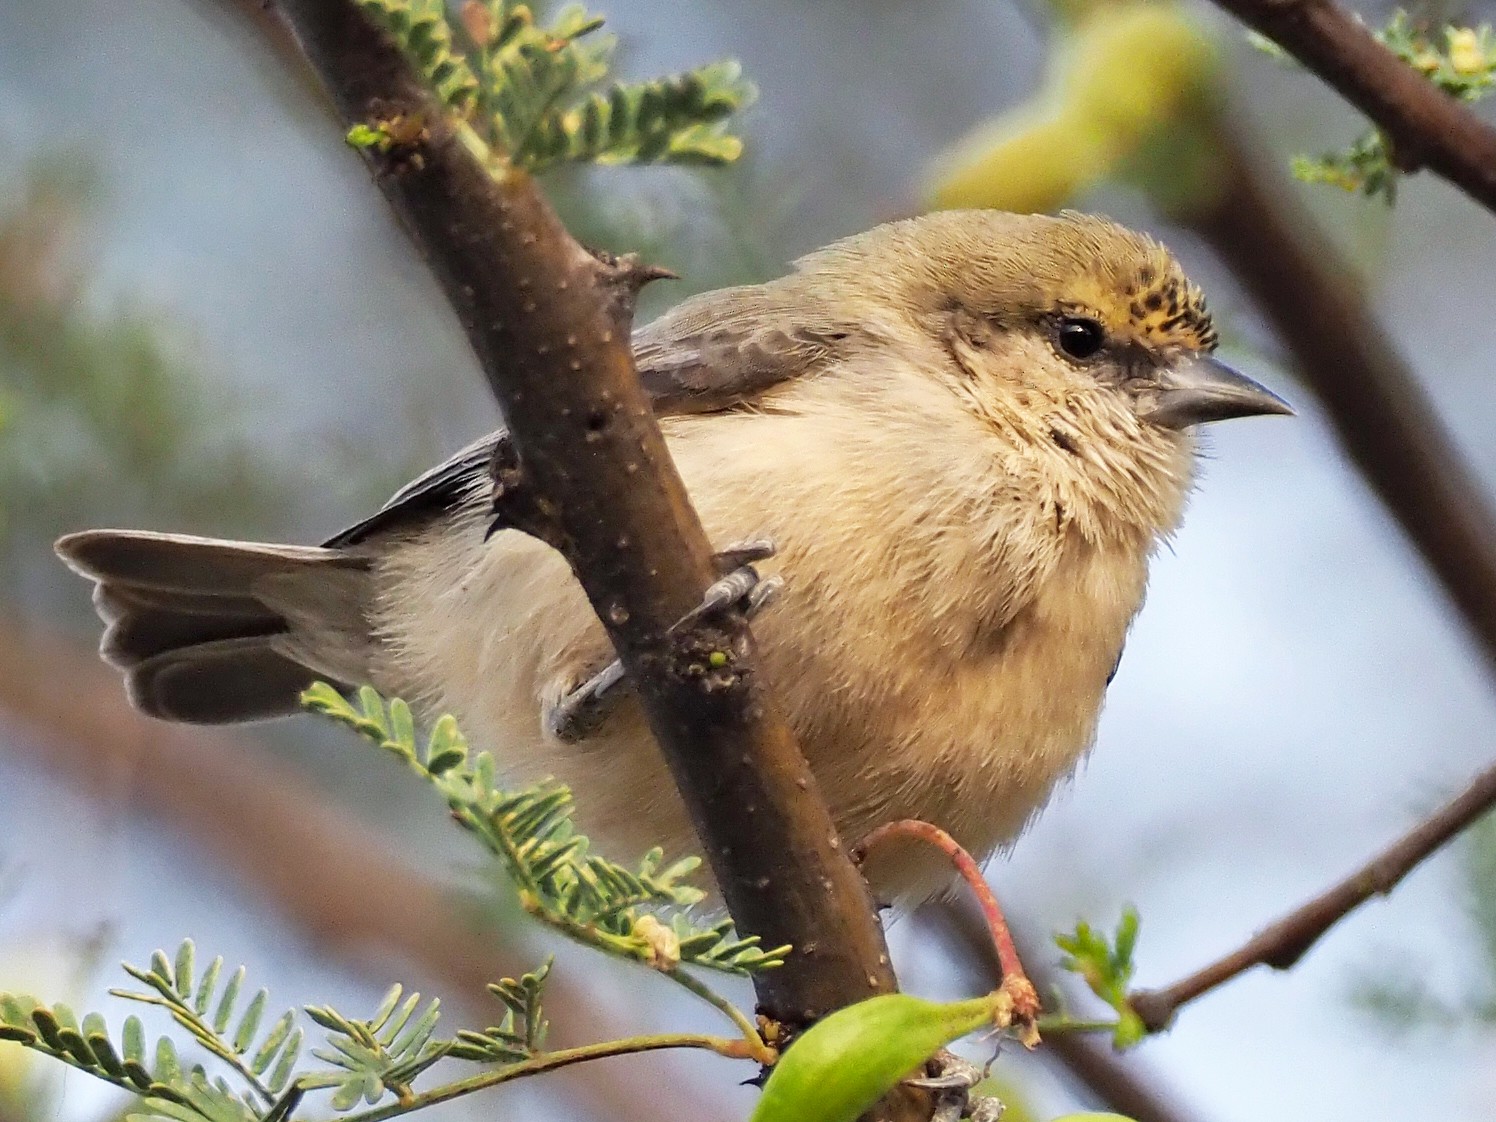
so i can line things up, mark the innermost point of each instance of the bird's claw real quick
(743, 553)
(740, 583)
(952, 1082)
(952, 1073)
(581, 710)
(578, 713)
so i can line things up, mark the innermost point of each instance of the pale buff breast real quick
(941, 645)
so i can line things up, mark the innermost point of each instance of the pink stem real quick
(1015, 981)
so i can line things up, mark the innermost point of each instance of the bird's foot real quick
(952, 1078)
(580, 711)
(739, 584)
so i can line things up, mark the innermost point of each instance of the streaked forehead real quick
(1169, 310)
(1145, 296)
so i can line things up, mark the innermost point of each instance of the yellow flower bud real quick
(1127, 73)
(1136, 66)
(1465, 54)
(663, 944)
(1029, 162)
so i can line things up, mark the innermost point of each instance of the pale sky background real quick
(1294, 693)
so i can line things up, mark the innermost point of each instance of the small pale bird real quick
(965, 433)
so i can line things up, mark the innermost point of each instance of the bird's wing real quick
(717, 351)
(725, 349)
(444, 487)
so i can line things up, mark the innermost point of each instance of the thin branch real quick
(752, 1039)
(1427, 127)
(1286, 941)
(1389, 428)
(550, 325)
(1383, 417)
(549, 1061)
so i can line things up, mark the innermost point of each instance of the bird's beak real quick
(1200, 388)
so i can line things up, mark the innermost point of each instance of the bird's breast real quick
(907, 708)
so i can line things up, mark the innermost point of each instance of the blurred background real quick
(210, 323)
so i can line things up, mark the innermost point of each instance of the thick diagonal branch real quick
(1427, 127)
(550, 324)
(1336, 343)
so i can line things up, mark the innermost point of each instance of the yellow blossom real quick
(1465, 53)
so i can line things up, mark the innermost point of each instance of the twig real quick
(550, 1061)
(1381, 414)
(1286, 941)
(752, 1041)
(1119, 1084)
(1392, 433)
(549, 323)
(1014, 980)
(1427, 127)
(593, 936)
(1058, 1024)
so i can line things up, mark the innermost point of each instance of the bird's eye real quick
(1080, 337)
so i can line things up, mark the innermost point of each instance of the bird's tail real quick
(211, 632)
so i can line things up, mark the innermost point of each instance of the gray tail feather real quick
(212, 632)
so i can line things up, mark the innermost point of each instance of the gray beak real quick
(1199, 389)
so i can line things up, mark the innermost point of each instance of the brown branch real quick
(1383, 417)
(550, 324)
(1119, 1084)
(332, 878)
(1426, 126)
(1286, 941)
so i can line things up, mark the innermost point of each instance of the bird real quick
(965, 434)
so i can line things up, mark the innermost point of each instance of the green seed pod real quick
(850, 1060)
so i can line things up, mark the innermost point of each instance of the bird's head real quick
(1080, 343)
(1073, 310)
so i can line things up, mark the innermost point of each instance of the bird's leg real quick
(952, 1078)
(579, 713)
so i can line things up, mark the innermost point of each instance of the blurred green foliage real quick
(1106, 966)
(109, 414)
(639, 915)
(528, 91)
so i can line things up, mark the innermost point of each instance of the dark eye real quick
(1080, 337)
